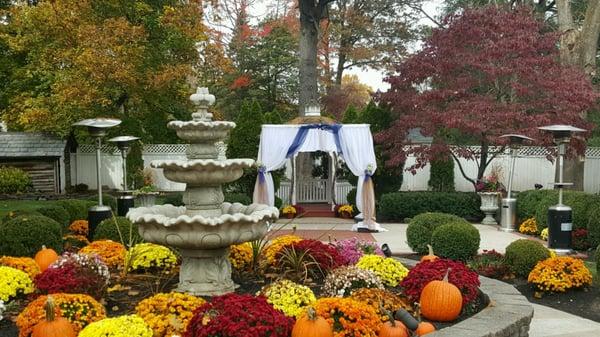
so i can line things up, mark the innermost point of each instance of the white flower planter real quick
(489, 206)
(146, 199)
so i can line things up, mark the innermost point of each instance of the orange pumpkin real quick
(393, 328)
(441, 301)
(311, 325)
(424, 328)
(52, 326)
(429, 257)
(45, 257)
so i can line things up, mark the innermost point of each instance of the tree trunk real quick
(309, 39)
(578, 48)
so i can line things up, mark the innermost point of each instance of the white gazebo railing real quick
(316, 190)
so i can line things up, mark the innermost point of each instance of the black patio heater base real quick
(95, 216)
(560, 226)
(124, 203)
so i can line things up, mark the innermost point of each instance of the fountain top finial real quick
(202, 99)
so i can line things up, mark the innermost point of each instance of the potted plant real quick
(490, 189)
(345, 211)
(146, 195)
(289, 211)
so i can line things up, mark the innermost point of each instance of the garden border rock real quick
(509, 313)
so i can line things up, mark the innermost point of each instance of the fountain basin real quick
(170, 225)
(203, 241)
(208, 172)
(199, 131)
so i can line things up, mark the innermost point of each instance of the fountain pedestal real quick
(206, 272)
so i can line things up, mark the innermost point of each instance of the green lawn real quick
(26, 205)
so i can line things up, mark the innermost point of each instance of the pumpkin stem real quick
(430, 250)
(446, 276)
(312, 313)
(49, 308)
(43, 246)
(390, 316)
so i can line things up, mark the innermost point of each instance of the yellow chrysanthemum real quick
(388, 269)
(25, 264)
(288, 297)
(122, 326)
(14, 282)
(145, 256)
(240, 255)
(529, 226)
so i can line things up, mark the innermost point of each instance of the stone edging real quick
(509, 313)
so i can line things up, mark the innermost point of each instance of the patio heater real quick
(97, 128)
(560, 216)
(509, 204)
(126, 200)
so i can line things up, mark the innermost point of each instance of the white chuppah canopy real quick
(352, 142)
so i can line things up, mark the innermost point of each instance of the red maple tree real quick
(489, 72)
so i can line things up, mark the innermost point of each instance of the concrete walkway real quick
(547, 322)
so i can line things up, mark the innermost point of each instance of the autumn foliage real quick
(488, 73)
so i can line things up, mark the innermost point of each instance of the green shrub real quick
(441, 177)
(351, 196)
(17, 213)
(522, 255)
(421, 227)
(593, 226)
(527, 202)
(107, 200)
(77, 209)
(598, 261)
(456, 241)
(107, 230)
(13, 180)
(56, 213)
(278, 202)
(580, 202)
(25, 235)
(400, 205)
(238, 197)
(175, 199)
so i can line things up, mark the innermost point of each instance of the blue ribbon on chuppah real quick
(303, 131)
(261, 174)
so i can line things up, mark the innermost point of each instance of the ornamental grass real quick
(275, 245)
(349, 317)
(353, 249)
(389, 270)
(235, 315)
(559, 274)
(460, 275)
(110, 252)
(241, 256)
(344, 280)
(122, 326)
(168, 314)
(25, 264)
(382, 300)
(79, 227)
(288, 297)
(147, 257)
(75, 274)
(13, 283)
(79, 309)
(529, 226)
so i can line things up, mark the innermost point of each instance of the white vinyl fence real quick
(531, 168)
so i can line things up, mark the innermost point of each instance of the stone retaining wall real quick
(509, 313)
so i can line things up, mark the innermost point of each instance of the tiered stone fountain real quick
(204, 229)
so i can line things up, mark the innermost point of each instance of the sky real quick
(372, 78)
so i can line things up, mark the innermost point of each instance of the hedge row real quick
(586, 209)
(401, 205)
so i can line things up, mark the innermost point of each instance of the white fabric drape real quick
(358, 153)
(274, 145)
